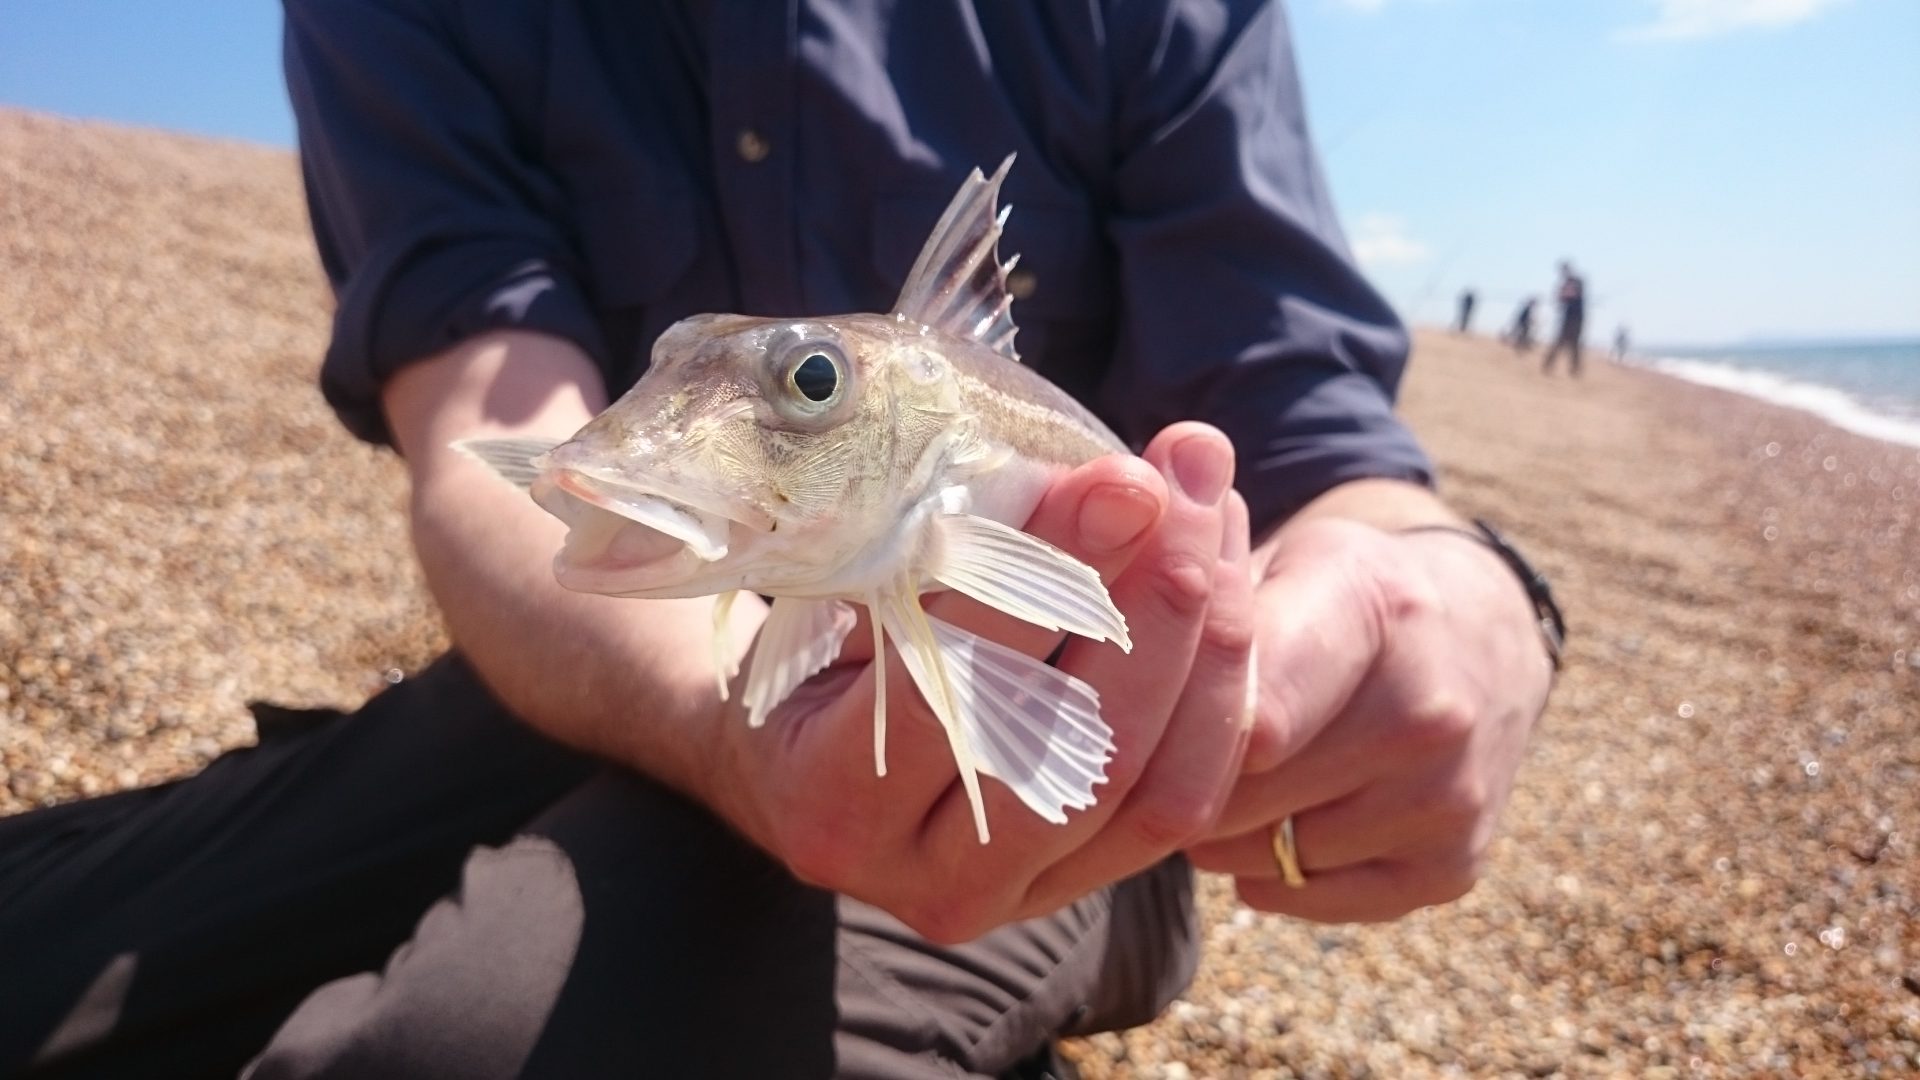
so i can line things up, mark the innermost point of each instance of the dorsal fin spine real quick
(958, 285)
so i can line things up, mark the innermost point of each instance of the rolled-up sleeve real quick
(1242, 306)
(431, 222)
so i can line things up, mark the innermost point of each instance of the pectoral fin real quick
(799, 638)
(1034, 728)
(1026, 577)
(510, 459)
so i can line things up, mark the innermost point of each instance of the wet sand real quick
(1709, 866)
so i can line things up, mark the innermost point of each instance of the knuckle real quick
(1282, 725)
(1227, 637)
(1443, 881)
(1172, 819)
(1402, 596)
(1441, 720)
(1396, 596)
(1450, 884)
(1183, 584)
(1268, 744)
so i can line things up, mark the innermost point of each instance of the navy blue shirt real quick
(598, 169)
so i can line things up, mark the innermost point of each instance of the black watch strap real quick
(1553, 624)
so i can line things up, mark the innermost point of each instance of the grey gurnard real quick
(865, 459)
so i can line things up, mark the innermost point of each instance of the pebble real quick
(185, 527)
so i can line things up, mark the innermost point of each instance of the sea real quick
(1871, 388)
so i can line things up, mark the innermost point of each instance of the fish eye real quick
(816, 376)
(807, 381)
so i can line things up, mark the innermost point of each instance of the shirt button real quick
(1021, 284)
(752, 146)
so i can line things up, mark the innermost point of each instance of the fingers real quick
(1187, 779)
(1385, 819)
(1101, 513)
(1156, 531)
(1165, 594)
(1321, 623)
(1396, 721)
(1343, 883)
(1370, 892)
(1394, 799)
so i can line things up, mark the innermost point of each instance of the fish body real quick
(865, 458)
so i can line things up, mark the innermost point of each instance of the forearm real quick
(630, 680)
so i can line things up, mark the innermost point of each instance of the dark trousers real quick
(316, 903)
(1568, 339)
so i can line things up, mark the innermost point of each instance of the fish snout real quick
(625, 541)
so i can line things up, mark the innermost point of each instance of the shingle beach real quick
(1709, 867)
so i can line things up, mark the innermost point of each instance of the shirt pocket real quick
(1062, 288)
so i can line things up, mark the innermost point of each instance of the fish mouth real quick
(622, 539)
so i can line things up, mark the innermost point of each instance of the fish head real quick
(754, 453)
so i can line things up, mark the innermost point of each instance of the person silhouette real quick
(1465, 321)
(1572, 297)
(1520, 335)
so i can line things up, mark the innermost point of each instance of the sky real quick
(1719, 170)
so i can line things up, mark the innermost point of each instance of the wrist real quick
(627, 680)
(1388, 506)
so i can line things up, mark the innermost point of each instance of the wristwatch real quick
(1553, 624)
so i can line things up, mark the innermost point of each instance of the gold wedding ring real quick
(1285, 855)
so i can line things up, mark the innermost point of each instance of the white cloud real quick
(1678, 19)
(1382, 240)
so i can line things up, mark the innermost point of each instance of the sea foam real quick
(1835, 406)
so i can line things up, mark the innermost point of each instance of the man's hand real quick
(1398, 677)
(633, 680)
(1170, 537)
(1400, 674)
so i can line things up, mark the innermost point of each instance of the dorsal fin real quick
(958, 284)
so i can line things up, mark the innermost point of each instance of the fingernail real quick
(1201, 469)
(1113, 516)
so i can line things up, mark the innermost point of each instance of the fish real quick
(863, 459)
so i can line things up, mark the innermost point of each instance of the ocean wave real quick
(1835, 406)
